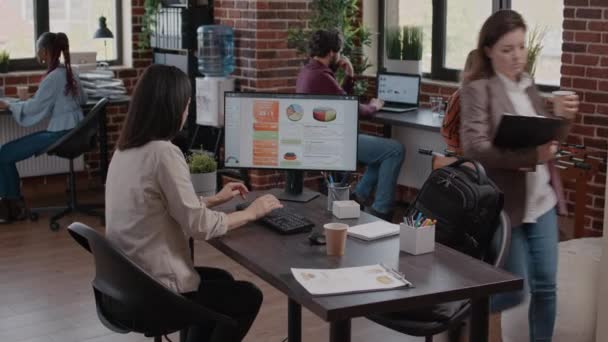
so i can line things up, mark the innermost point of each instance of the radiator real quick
(36, 166)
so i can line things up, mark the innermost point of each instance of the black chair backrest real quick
(128, 299)
(81, 138)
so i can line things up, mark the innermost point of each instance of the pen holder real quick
(416, 241)
(336, 193)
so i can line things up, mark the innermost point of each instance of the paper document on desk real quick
(373, 230)
(349, 280)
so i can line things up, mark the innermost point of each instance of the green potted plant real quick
(203, 172)
(393, 43)
(411, 49)
(4, 58)
(535, 47)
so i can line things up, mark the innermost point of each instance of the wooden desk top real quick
(422, 118)
(442, 276)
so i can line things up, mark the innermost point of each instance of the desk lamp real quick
(103, 32)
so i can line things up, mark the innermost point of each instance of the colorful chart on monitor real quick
(295, 112)
(324, 114)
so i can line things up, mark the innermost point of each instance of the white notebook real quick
(349, 280)
(374, 230)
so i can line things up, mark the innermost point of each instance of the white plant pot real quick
(204, 183)
(401, 66)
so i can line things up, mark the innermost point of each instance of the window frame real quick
(42, 24)
(438, 42)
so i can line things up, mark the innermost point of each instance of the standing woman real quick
(59, 96)
(498, 84)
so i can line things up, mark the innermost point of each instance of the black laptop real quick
(400, 92)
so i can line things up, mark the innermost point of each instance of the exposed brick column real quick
(263, 60)
(585, 70)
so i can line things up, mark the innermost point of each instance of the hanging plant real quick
(148, 22)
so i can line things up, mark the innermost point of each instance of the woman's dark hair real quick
(158, 102)
(496, 26)
(322, 42)
(55, 44)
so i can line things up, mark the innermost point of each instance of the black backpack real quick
(466, 205)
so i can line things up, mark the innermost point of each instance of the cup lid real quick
(335, 226)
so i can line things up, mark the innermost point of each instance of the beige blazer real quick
(483, 103)
(152, 210)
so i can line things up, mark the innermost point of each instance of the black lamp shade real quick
(103, 31)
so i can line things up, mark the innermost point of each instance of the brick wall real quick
(115, 113)
(264, 63)
(585, 70)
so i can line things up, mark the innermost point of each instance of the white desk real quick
(415, 129)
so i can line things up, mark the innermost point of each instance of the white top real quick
(540, 197)
(152, 210)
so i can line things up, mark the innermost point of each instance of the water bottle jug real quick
(215, 50)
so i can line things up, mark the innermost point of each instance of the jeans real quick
(18, 150)
(533, 256)
(219, 292)
(383, 158)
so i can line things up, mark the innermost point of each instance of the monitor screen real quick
(291, 131)
(399, 88)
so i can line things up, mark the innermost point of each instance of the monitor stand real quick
(294, 189)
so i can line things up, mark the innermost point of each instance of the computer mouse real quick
(316, 238)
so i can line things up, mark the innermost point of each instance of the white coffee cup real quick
(335, 238)
(558, 101)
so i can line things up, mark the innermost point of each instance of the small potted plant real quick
(203, 172)
(411, 49)
(4, 58)
(393, 49)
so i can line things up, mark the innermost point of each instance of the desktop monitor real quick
(292, 132)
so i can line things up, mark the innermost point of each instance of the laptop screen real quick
(401, 89)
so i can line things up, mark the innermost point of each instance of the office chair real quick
(130, 300)
(450, 316)
(81, 139)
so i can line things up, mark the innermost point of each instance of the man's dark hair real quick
(322, 42)
(159, 100)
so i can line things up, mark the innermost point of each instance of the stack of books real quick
(101, 83)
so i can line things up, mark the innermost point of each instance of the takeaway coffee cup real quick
(335, 238)
(558, 101)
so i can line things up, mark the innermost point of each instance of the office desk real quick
(442, 276)
(422, 118)
(414, 130)
(103, 132)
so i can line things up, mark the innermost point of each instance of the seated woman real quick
(152, 209)
(59, 96)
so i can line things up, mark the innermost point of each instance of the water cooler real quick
(215, 54)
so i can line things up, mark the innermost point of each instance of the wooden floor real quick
(45, 292)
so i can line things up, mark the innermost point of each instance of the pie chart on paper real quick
(295, 112)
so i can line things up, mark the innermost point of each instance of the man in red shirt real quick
(383, 157)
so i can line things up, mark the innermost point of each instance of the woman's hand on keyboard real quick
(262, 206)
(229, 191)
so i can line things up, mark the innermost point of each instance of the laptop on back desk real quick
(400, 92)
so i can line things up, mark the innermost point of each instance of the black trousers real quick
(218, 291)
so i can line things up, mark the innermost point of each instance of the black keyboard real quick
(283, 220)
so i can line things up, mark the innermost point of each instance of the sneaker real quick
(5, 213)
